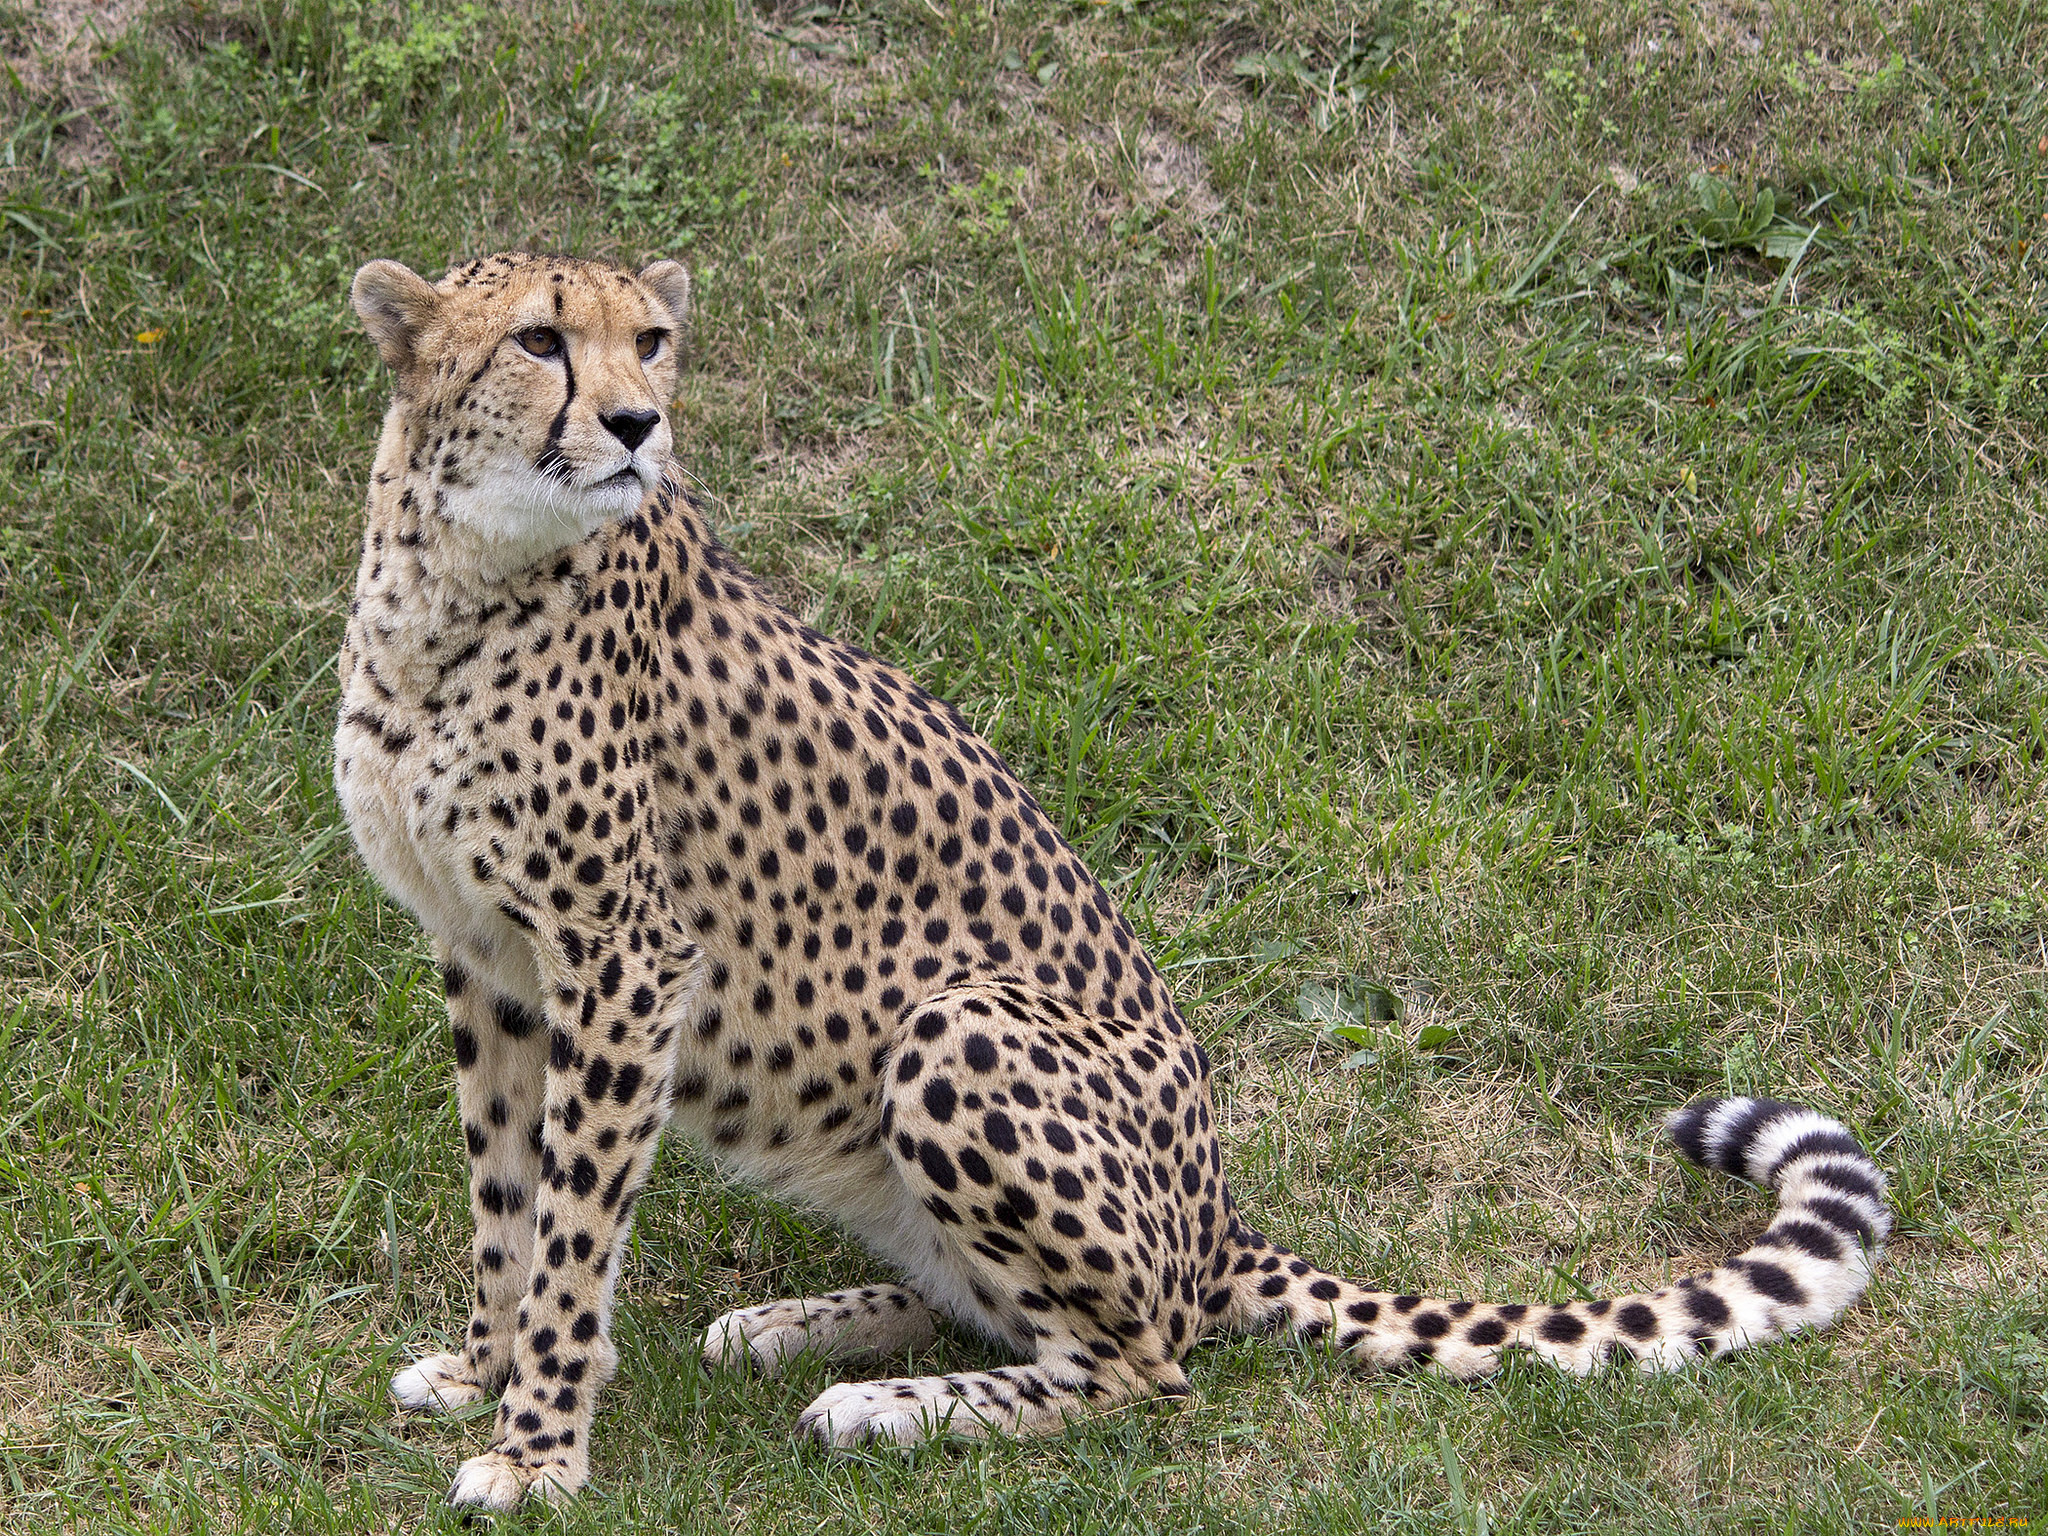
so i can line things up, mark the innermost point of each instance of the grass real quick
(1514, 531)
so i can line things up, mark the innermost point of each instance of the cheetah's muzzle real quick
(683, 857)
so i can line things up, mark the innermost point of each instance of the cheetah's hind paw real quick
(441, 1382)
(756, 1338)
(973, 1405)
(857, 1413)
(875, 1320)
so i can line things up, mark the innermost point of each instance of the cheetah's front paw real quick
(444, 1382)
(495, 1481)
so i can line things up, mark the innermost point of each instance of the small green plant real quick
(1138, 231)
(1675, 265)
(987, 207)
(1038, 63)
(392, 71)
(1763, 225)
(668, 170)
(1885, 83)
(17, 27)
(1366, 1015)
(1334, 86)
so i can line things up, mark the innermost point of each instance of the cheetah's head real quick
(532, 390)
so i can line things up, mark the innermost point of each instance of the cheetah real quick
(685, 859)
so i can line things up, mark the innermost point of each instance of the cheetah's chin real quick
(523, 516)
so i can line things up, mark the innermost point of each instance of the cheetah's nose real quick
(630, 427)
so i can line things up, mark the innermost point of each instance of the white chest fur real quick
(399, 815)
(415, 762)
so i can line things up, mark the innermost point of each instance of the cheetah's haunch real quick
(684, 858)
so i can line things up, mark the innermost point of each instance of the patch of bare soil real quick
(1733, 25)
(57, 53)
(824, 468)
(28, 350)
(1170, 167)
(832, 62)
(1357, 579)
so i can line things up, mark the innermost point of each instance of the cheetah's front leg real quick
(500, 1071)
(611, 1051)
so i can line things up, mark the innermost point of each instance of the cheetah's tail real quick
(1811, 1263)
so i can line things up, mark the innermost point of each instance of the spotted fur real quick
(686, 859)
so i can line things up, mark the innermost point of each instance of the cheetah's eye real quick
(540, 340)
(647, 343)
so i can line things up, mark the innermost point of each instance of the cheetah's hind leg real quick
(1002, 1113)
(874, 1320)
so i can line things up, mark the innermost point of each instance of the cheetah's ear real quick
(394, 303)
(670, 281)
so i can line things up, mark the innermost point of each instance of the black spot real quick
(513, 1019)
(1839, 1213)
(1774, 1282)
(1733, 1155)
(1806, 1236)
(1637, 1321)
(931, 1157)
(1561, 1328)
(1852, 1181)
(1837, 1143)
(1709, 1310)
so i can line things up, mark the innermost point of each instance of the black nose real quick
(630, 427)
